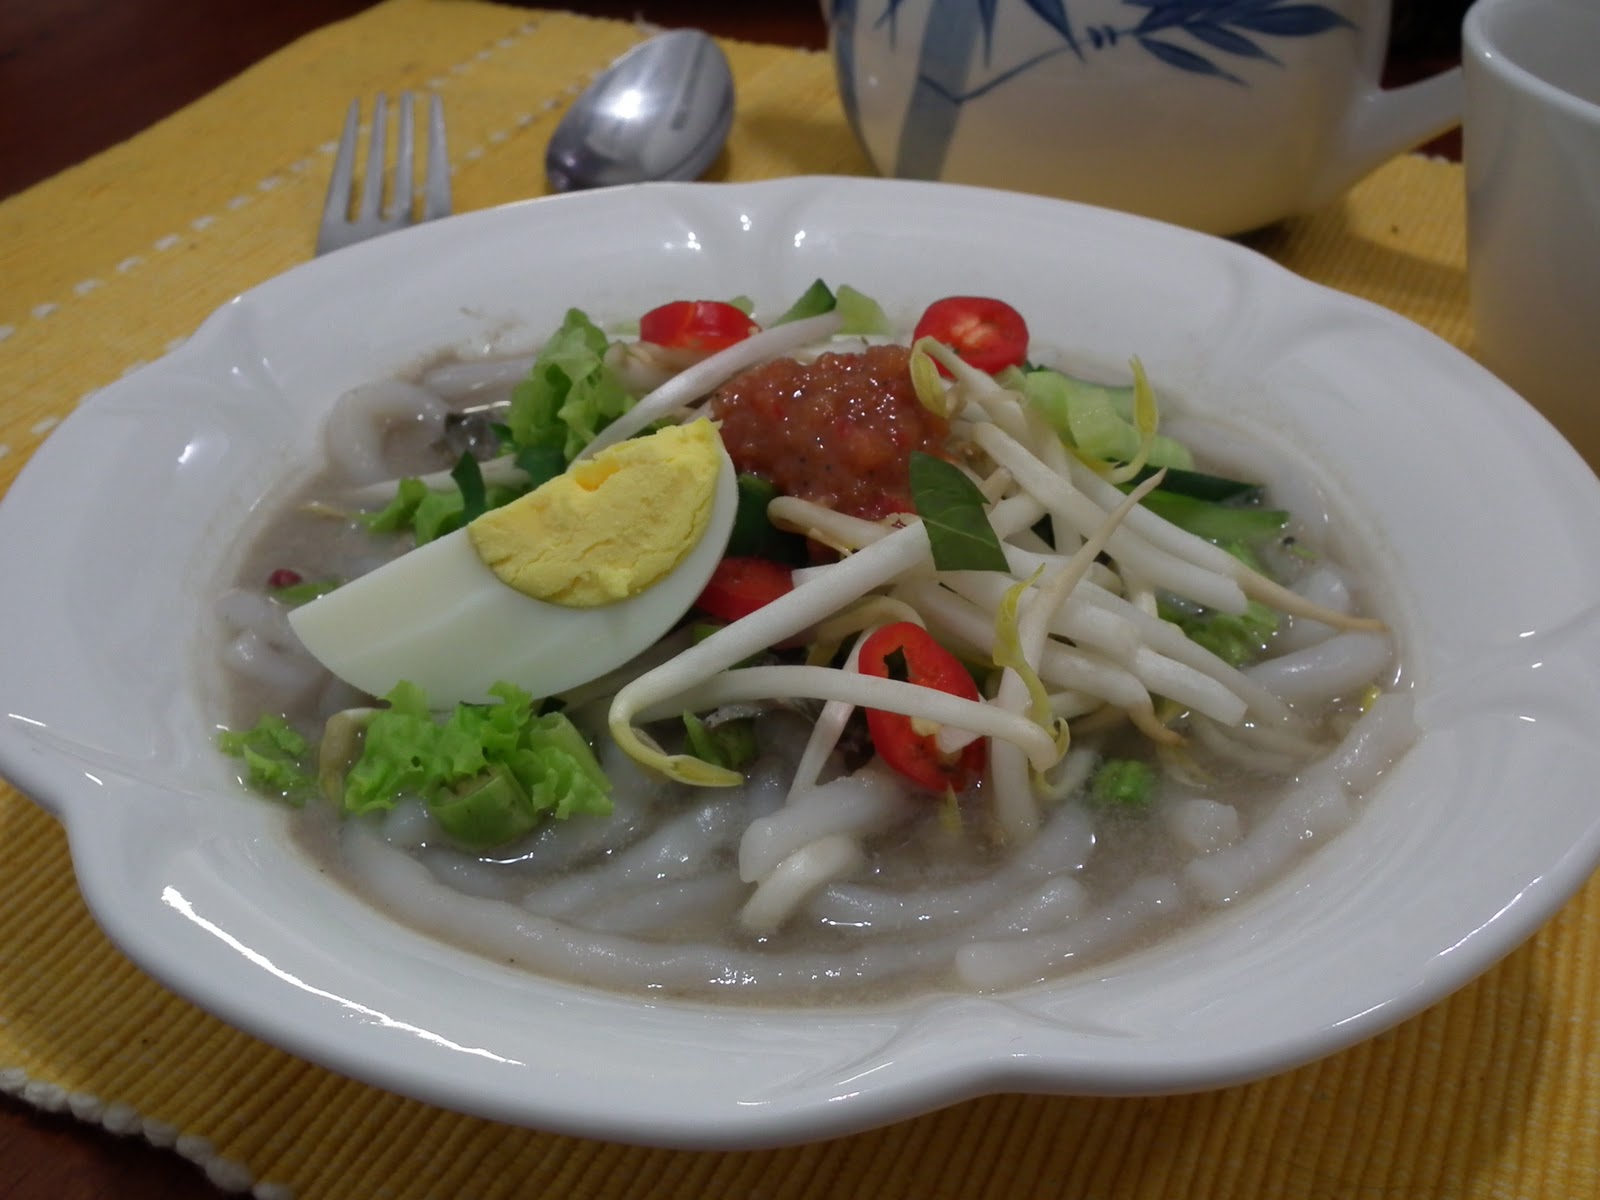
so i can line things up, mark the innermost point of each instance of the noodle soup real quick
(879, 760)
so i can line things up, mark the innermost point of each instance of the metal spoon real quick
(661, 111)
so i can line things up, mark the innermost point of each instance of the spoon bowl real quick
(660, 112)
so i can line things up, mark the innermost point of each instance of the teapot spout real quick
(1386, 122)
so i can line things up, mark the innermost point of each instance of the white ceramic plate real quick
(1485, 522)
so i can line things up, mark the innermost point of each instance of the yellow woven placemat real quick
(1493, 1093)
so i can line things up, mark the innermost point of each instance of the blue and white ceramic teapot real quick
(1223, 115)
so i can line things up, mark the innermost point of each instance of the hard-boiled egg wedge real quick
(556, 588)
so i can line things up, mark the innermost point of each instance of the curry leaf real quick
(952, 509)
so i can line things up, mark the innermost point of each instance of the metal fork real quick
(371, 218)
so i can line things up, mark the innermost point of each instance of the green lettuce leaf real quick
(428, 514)
(1238, 639)
(276, 758)
(570, 394)
(489, 773)
(397, 514)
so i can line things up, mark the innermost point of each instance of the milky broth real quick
(649, 899)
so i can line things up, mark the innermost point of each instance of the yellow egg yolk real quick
(612, 525)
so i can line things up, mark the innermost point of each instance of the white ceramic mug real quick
(1531, 147)
(1223, 115)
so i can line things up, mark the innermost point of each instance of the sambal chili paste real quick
(838, 431)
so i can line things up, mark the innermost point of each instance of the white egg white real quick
(440, 618)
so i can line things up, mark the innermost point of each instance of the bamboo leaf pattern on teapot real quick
(1205, 38)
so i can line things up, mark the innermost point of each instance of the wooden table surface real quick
(78, 76)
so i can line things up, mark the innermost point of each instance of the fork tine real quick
(372, 185)
(436, 189)
(401, 192)
(339, 226)
(336, 208)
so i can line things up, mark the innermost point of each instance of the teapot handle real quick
(1384, 122)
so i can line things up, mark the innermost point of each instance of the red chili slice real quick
(989, 334)
(739, 586)
(917, 755)
(696, 325)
